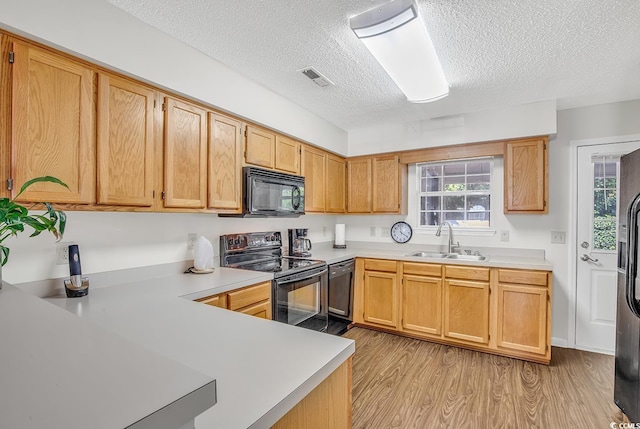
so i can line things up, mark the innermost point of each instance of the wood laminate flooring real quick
(400, 382)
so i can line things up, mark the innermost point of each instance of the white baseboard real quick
(559, 342)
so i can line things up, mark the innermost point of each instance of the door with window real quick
(597, 218)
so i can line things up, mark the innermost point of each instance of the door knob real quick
(586, 257)
(584, 245)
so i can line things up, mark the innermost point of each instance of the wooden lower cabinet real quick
(523, 312)
(466, 310)
(327, 406)
(421, 299)
(254, 300)
(495, 310)
(381, 296)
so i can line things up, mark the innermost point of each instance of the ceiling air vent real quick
(316, 76)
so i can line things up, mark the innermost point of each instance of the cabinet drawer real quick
(248, 296)
(422, 269)
(261, 309)
(467, 273)
(215, 300)
(380, 265)
(538, 278)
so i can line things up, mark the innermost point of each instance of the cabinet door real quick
(53, 126)
(522, 318)
(260, 149)
(185, 155)
(125, 142)
(313, 170)
(526, 176)
(359, 186)
(466, 310)
(386, 184)
(287, 155)
(225, 163)
(380, 299)
(336, 184)
(422, 304)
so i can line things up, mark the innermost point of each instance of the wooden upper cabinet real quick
(386, 184)
(313, 170)
(125, 142)
(185, 155)
(287, 156)
(526, 184)
(225, 162)
(336, 188)
(260, 147)
(359, 185)
(53, 125)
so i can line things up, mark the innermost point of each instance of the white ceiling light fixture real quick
(397, 37)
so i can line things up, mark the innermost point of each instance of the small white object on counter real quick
(340, 235)
(203, 254)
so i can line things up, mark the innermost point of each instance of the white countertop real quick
(262, 368)
(375, 250)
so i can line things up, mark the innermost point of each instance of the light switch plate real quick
(191, 241)
(558, 237)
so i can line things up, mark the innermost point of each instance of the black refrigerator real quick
(627, 373)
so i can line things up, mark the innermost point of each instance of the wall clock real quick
(401, 232)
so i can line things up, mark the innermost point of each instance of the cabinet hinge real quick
(164, 107)
(10, 184)
(544, 203)
(155, 103)
(163, 195)
(546, 348)
(245, 131)
(544, 146)
(11, 57)
(153, 194)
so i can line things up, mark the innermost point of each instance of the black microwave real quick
(267, 193)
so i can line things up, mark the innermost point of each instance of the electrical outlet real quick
(386, 232)
(372, 231)
(504, 235)
(558, 237)
(191, 241)
(62, 253)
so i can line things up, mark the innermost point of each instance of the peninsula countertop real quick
(262, 368)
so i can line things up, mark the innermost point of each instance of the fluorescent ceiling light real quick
(396, 36)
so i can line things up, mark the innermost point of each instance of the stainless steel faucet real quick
(439, 231)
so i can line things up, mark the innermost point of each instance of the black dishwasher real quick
(340, 296)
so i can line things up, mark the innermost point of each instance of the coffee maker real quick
(299, 244)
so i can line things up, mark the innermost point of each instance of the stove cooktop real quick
(280, 266)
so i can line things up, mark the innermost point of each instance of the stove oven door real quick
(301, 299)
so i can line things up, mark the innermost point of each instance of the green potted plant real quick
(14, 217)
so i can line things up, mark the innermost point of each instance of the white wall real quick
(104, 34)
(507, 122)
(532, 231)
(112, 241)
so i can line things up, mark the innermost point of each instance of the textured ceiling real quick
(494, 53)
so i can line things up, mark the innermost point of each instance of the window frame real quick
(462, 230)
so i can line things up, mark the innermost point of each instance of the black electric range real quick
(299, 294)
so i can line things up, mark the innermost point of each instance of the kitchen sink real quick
(440, 255)
(428, 254)
(466, 257)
